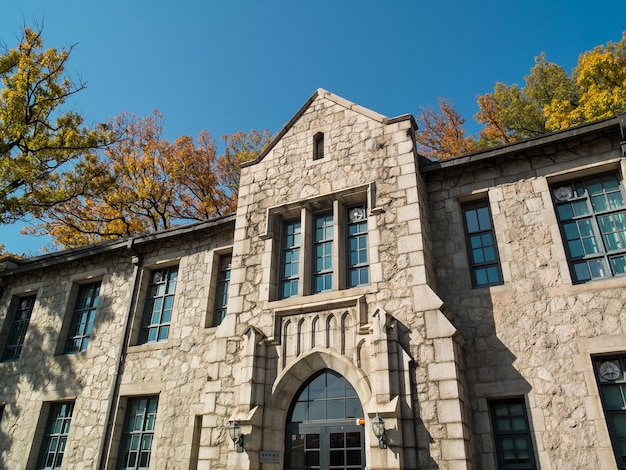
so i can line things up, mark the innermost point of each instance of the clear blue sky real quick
(230, 65)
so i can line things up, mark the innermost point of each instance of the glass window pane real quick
(335, 409)
(312, 459)
(317, 410)
(337, 440)
(614, 397)
(618, 264)
(475, 241)
(489, 254)
(481, 277)
(581, 271)
(585, 228)
(591, 246)
(599, 203)
(353, 439)
(616, 200)
(300, 412)
(619, 424)
(471, 219)
(337, 458)
(575, 248)
(597, 268)
(312, 441)
(478, 256)
(334, 386)
(518, 424)
(580, 208)
(493, 275)
(353, 408)
(503, 424)
(353, 457)
(484, 221)
(565, 212)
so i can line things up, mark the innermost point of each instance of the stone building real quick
(364, 308)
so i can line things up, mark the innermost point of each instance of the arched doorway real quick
(322, 431)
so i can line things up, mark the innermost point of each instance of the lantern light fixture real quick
(378, 426)
(234, 431)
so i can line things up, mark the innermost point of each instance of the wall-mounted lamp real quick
(234, 431)
(378, 425)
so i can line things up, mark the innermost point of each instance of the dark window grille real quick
(159, 304)
(482, 249)
(19, 326)
(323, 253)
(358, 261)
(138, 433)
(514, 447)
(54, 440)
(221, 289)
(290, 259)
(83, 318)
(592, 219)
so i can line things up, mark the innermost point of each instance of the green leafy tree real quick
(600, 78)
(37, 138)
(512, 113)
(550, 100)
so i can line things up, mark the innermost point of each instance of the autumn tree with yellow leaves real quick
(550, 100)
(82, 185)
(143, 183)
(38, 139)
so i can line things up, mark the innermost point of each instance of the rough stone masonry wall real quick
(39, 376)
(529, 336)
(360, 149)
(181, 369)
(176, 370)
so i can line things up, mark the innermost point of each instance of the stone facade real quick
(421, 345)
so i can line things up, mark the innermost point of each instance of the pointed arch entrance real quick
(322, 432)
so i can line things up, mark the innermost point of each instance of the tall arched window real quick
(321, 428)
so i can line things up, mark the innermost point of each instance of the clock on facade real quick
(609, 370)
(563, 193)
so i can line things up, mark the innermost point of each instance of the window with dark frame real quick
(157, 313)
(592, 217)
(611, 378)
(323, 253)
(19, 326)
(138, 433)
(482, 249)
(511, 432)
(54, 440)
(83, 317)
(221, 289)
(318, 146)
(321, 250)
(357, 257)
(290, 259)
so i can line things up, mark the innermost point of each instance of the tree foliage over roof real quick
(143, 183)
(550, 100)
(82, 185)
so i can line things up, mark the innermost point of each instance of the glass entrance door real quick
(329, 447)
(322, 433)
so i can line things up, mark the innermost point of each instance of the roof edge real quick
(538, 141)
(73, 254)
